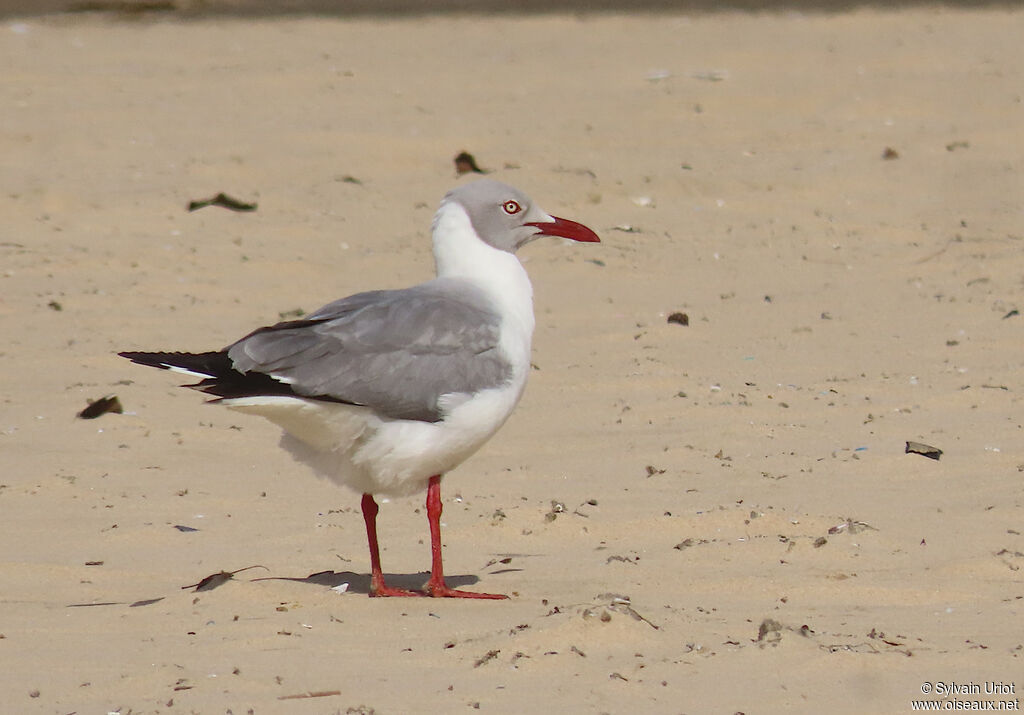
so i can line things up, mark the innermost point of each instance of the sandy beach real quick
(717, 517)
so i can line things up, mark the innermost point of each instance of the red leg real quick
(377, 585)
(436, 586)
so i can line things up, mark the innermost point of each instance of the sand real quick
(711, 518)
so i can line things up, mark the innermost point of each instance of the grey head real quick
(506, 218)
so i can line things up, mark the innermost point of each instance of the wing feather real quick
(394, 351)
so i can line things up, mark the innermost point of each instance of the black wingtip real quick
(148, 359)
(208, 363)
(220, 377)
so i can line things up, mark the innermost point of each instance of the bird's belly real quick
(355, 447)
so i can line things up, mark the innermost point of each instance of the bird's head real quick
(506, 218)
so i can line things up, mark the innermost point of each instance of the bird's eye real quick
(511, 207)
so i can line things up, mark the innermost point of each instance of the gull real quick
(386, 391)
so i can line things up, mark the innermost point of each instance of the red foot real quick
(388, 591)
(442, 591)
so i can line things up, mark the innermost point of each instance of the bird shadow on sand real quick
(354, 582)
(360, 582)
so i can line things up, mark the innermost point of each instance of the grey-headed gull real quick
(386, 391)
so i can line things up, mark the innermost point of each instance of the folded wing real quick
(396, 352)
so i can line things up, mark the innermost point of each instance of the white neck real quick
(459, 253)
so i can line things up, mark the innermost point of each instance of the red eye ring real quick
(511, 207)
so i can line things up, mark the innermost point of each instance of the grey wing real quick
(394, 351)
